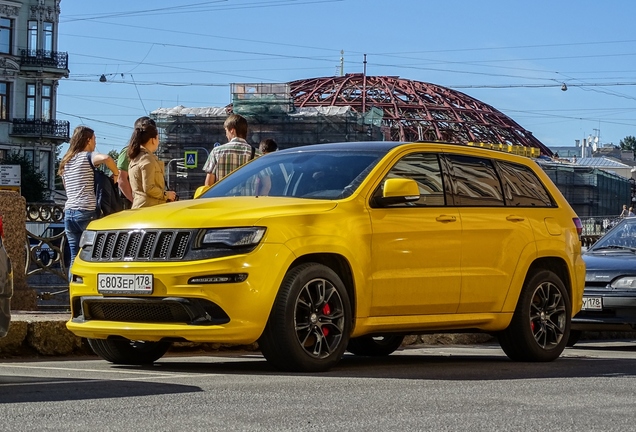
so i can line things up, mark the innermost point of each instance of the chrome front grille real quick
(139, 245)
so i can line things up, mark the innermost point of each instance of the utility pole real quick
(364, 85)
(341, 62)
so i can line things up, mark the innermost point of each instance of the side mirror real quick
(398, 191)
(200, 191)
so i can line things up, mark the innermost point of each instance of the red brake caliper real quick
(326, 310)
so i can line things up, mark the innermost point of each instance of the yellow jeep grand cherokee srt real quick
(354, 246)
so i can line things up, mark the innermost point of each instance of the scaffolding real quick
(268, 116)
(353, 108)
(590, 191)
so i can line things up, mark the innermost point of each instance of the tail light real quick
(578, 225)
(1, 228)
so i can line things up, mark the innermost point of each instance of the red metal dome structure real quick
(415, 110)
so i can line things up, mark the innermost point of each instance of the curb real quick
(44, 334)
(39, 333)
(35, 334)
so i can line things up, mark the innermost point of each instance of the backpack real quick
(106, 192)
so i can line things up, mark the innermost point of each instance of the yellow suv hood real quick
(211, 212)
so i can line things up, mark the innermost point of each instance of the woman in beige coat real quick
(146, 171)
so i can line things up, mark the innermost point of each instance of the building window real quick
(4, 101)
(29, 155)
(6, 28)
(48, 39)
(45, 164)
(30, 101)
(32, 38)
(46, 102)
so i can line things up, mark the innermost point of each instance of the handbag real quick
(106, 192)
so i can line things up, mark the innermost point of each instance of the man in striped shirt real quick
(227, 157)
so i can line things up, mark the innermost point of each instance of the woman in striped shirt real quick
(77, 175)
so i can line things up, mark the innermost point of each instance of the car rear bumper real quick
(618, 314)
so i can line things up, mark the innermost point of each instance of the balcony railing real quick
(44, 59)
(56, 129)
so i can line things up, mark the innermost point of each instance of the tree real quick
(32, 182)
(628, 143)
(114, 154)
(58, 158)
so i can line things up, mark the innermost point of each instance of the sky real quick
(515, 56)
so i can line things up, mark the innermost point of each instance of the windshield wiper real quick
(632, 249)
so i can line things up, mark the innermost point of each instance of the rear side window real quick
(424, 168)
(475, 182)
(522, 187)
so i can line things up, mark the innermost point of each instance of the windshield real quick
(301, 174)
(622, 236)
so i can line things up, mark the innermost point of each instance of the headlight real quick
(232, 237)
(88, 238)
(627, 282)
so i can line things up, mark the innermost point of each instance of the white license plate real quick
(592, 303)
(125, 283)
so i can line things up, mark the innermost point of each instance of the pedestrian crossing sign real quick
(191, 159)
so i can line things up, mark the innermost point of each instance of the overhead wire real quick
(544, 81)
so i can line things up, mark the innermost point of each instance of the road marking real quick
(13, 365)
(85, 380)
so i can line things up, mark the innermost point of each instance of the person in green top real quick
(123, 162)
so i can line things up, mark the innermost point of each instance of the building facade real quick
(30, 68)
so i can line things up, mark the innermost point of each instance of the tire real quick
(540, 326)
(127, 352)
(310, 322)
(375, 346)
(575, 335)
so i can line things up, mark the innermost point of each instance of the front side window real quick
(48, 38)
(30, 101)
(32, 38)
(424, 168)
(522, 187)
(46, 102)
(4, 101)
(475, 182)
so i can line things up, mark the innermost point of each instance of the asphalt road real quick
(442, 388)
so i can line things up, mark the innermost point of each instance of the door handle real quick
(445, 218)
(515, 218)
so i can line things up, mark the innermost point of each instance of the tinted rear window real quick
(522, 187)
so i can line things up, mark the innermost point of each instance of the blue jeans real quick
(75, 222)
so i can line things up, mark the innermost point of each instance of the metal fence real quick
(595, 227)
(47, 256)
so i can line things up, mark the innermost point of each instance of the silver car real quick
(6, 285)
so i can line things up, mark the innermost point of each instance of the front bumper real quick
(233, 313)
